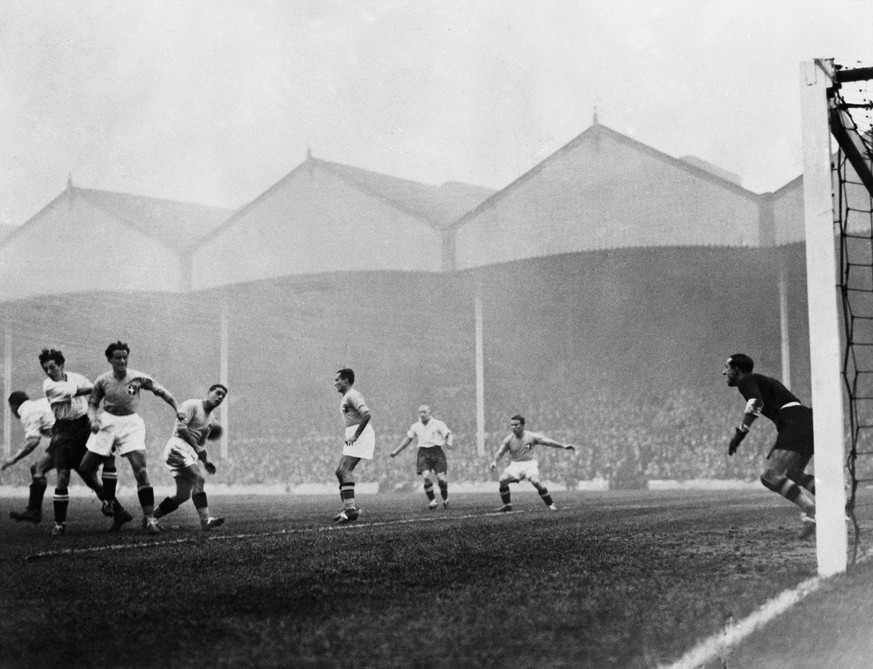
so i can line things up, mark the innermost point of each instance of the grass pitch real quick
(611, 580)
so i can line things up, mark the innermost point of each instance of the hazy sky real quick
(213, 102)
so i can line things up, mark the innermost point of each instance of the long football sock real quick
(37, 492)
(504, 493)
(167, 506)
(806, 481)
(200, 503)
(347, 494)
(428, 489)
(544, 494)
(444, 489)
(146, 495)
(61, 502)
(793, 493)
(110, 483)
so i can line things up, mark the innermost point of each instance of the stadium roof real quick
(596, 132)
(604, 190)
(88, 240)
(328, 217)
(439, 205)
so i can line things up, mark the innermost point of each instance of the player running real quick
(184, 451)
(432, 435)
(523, 465)
(786, 462)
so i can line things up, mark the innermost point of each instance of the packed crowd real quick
(683, 436)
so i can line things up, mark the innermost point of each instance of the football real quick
(214, 432)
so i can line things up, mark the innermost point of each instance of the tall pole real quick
(480, 377)
(824, 332)
(784, 336)
(223, 374)
(7, 381)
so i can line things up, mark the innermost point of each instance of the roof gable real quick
(594, 135)
(177, 225)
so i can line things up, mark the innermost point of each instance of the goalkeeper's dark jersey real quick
(770, 391)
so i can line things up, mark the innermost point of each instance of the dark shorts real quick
(794, 426)
(432, 458)
(69, 439)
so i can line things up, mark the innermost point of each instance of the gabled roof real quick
(178, 225)
(437, 206)
(593, 133)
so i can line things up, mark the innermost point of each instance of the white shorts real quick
(527, 469)
(365, 445)
(121, 433)
(179, 455)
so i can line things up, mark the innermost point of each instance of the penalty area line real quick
(66, 552)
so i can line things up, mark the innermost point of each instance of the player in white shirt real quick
(37, 419)
(432, 435)
(67, 393)
(359, 444)
(520, 444)
(184, 451)
(39, 424)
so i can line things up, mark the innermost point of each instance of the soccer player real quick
(784, 471)
(432, 435)
(120, 427)
(519, 444)
(38, 420)
(359, 444)
(67, 394)
(186, 448)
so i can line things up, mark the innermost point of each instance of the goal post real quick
(816, 78)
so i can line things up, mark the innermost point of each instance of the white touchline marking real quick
(716, 645)
(719, 644)
(44, 555)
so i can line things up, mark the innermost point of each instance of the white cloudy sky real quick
(213, 102)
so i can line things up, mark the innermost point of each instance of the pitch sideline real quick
(719, 645)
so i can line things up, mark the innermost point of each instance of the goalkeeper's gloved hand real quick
(738, 437)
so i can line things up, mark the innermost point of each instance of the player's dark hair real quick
(347, 374)
(17, 398)
(51, 354)
(218, 385)
(518, 417)
(742, 362)
(116, 346)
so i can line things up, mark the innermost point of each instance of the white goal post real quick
(816, 77)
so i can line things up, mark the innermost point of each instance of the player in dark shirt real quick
(786, 462)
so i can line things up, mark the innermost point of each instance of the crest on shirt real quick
(132, 389)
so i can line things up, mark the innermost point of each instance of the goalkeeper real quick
(786, 462)
(184, 451)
